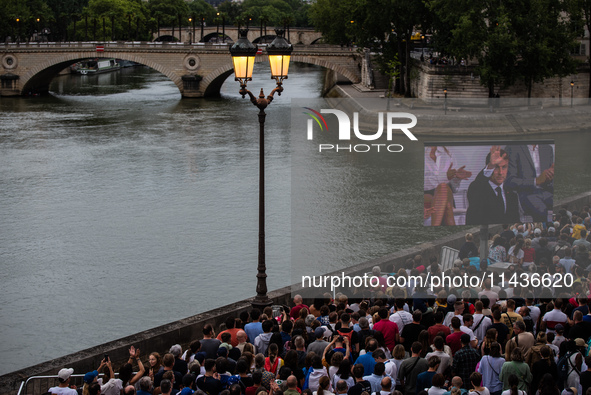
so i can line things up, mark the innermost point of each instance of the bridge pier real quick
(9, 85)
(191, 84)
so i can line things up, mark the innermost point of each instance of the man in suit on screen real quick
(489, 201)
(531, 175)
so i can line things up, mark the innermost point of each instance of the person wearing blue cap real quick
(91, 377)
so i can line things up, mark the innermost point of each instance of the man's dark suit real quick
(521, 178)
(484, 207)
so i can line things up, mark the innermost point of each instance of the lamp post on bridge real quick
(243, 54)
(572, 87)
(217, 31)
(422, 47)
(202, 23)
(223, 28)
(445, 102)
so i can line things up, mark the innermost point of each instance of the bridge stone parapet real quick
(299, 35)
(198, 69)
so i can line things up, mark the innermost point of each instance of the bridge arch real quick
(214, 80)
(38, 78)
(264, 39)
(220, 38)
(319, 40)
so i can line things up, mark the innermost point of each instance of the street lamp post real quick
(188, 30)
(202, 23)
(217, 31)
(445, 102)
(243, 53)
(192, 20)
(223, 28)
(422, 48)
(572, 86)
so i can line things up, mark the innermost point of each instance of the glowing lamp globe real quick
(279, 52)
(243, 53)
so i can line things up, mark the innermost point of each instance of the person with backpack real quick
(361, 385)
(411, 368)
(345, 329)
(533, 354)
(571, 368)
(522, 340)
(586, 375)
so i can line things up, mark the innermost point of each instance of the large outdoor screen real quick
(488, 182)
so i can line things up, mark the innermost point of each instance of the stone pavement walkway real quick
(512, 118)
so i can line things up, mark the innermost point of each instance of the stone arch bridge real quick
(198, 70)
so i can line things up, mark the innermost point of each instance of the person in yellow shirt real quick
(510, 316)
(578, 228)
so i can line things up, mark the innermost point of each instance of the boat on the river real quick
(95, 66)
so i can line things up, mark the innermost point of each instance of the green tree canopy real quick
(201, 8)
(529, 40)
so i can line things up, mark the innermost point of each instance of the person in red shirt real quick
(453, 340)
(295, 311)
(232, 330)
(388, 328)
(438, 327)
(257, 377)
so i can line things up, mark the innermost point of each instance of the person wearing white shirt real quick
(401, 317)
(468, 322)
(534, 311)
(390, 368)
(458, 312)
(438, 383)
(64, 383)
(443, 356)
(481, 322)
(476, 380)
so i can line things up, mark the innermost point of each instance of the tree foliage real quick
(527, 40)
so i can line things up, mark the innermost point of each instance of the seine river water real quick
(123, 207)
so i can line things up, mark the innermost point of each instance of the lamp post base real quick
(261, 303)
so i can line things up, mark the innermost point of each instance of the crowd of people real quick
(505, 338)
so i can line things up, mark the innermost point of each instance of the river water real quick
(123, 207)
